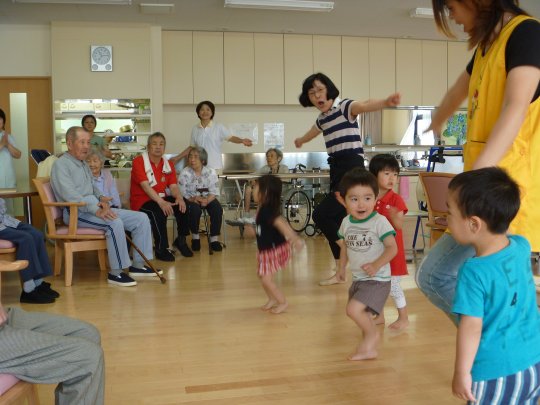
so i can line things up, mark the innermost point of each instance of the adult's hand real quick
(181, 204)
(166, 206)
(106, 213)
(393, 100)
(298, 142)
(247, 142)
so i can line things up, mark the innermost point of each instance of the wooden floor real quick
(201, 338)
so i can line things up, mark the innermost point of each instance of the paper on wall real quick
(274, 135)
(248, 130)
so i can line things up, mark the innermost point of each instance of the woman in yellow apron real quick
(502, 86)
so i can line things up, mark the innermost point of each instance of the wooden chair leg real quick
(58, 257)
(102, 258)
(68, 268)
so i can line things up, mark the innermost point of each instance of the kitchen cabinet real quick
(298, 54)
(355, 68)
(269, 70)
(409, 71)
(111, 116)
(177, 50)
(239, 68)
(382, 67)
(434, 71)
(208, 67)
(327, 57)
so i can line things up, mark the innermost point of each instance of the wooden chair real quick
(436, 189)
(13, 390)
(7, 250)
(69, 239)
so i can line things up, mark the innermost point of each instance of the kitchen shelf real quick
(120, 115)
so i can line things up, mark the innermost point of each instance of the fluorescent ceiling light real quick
(421, 12)
(153, 8)
(296, 5)
(106, 2)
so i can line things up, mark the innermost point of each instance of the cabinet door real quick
(239, 68)
(208, 67)
(434, 72)
(327, 57)
(458, 58)
(409, 71)
(382, 67)
(355, 68)
(177, 67)
(269, 77)
(298, 51)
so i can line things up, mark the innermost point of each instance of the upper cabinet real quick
(434, 71)
(177, 49)
(298, 53)
(382, 67)
(327, 57)
(239, 68)
(208, 67)
(269, 69)
(409, 71)
(355, 68)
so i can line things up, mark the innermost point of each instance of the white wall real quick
(179, 119)
(25, 50)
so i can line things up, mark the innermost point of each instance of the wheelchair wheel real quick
(297, 210)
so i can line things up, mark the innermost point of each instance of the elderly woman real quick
(200, 185)
(103, 178)
(273, 165)
(152, 179)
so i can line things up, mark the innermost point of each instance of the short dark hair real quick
(207, 103)
(489, 16)
(383, 161)
(358, 177)
(156, 135)
(270, 191)
(88, 116)
(3, 116)
(488, 193)
(331, 90)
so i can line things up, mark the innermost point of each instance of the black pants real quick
(158, 222)
(215, 211)
(329, 213)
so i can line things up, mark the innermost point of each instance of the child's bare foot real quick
(278, 309)
(331, 281)
(399, 324)
(268, 306)
(369, 355)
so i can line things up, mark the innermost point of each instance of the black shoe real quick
(36, 297)
(195, 245)
(45, 288)
(216, 246)
(164, 255)
(183, 248)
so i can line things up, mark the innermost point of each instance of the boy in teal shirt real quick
(498, 339)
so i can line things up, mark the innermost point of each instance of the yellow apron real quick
(522, 161)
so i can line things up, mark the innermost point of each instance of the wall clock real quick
(101, 58)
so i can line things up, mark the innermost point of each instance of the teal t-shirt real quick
(499, 288)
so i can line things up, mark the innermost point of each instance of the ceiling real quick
(375, 18)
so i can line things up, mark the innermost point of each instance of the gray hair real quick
(279, 153)
(155, 135)
(203, 155)
(72, 133)
(98, 154)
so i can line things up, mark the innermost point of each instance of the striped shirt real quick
(340, 130)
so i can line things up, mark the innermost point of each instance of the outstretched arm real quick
(243, 141)
(359, 107)
(180, 156)
(308, 136)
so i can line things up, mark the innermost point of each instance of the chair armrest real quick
(13, 266)
(64, 204)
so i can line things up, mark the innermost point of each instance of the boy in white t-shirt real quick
(367, 243)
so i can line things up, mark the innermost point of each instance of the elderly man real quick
(49, 349)
(71, 180)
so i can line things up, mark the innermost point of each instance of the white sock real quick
(214, 238)
(195, 236)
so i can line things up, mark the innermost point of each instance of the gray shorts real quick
(371, 293)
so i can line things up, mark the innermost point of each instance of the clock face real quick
(101, 58)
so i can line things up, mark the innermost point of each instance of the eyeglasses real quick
(316, 90)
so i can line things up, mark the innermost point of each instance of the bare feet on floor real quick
(268, 306)
(399, 324)
(367, 350)
(278, 309)
(330, 281)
